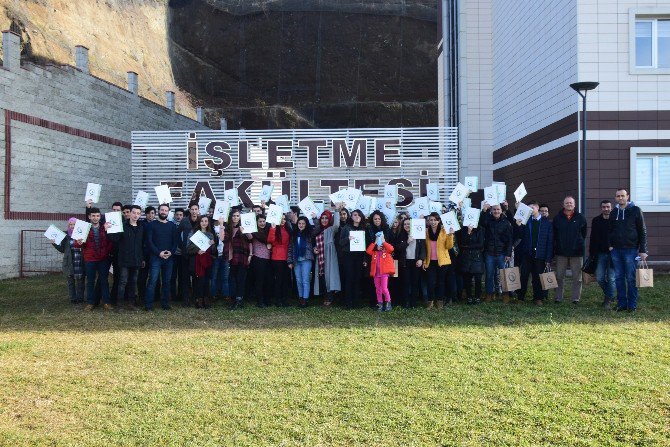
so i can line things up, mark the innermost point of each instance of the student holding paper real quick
(471, 261)
(438, 243)
(130, 256)
(186, 225)
(537, 251)
(326, 271)
(410, 254)
(353, 262)
(301, 257)
(238, 250)
(498, 240)
(96, 251)
(220, 267)
(260, 268)
(73, 263)
(280, 239)
(161, 242)
(381, 267)
(200, 263)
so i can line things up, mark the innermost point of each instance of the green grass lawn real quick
(485, 375)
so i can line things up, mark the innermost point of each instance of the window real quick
(650, 178)
(652, 43)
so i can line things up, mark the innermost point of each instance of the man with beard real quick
(161, 241)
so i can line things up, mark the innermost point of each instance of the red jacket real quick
(279, 248)
(104, 249)
(387, 265)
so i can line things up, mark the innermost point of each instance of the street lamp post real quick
(582, 88)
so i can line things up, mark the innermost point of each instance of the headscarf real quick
(330, 219)
(69, 221)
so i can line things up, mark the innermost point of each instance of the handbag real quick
(548, 279)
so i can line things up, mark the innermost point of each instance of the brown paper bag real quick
(510, 279)
(395, 266)
(587, 278)
(548, 279)
(644, 276)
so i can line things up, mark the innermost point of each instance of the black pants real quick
(467, 283)
(127, 284)
(142, 277)
(451, 285)
(116, 276)
(530, 266)
(352, 270)
(409, 275)
(237, 280)
(176, 268)
(436, 277)
(282, 282)
(260, 270)
(202, 289)
(184, 279)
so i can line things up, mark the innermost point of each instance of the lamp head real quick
(584, 86)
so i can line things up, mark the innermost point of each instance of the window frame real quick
(652, 15)
(654, 153)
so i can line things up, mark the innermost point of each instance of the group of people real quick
(310, 256)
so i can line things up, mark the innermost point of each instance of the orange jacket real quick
(387, 266)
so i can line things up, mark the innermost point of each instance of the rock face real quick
(301, 63)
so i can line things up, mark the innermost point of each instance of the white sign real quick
(367, 205)
(501, 191)
(230, 196)
(81, 230)
(248, 222)
(171, 216)
(351, 197)
(201, 240)
(471, 217)
(391, 194)
(266, 193)
(491, 195)
(93, 192)
(141, 199)
(308, 208)
(274, 214)
(433, 191)
(387, 208)
(163, 194)
(203, 203)
(115, 219)
(221, 210)
(283, 202)
(450, 222)
(435, 207)
(357, 241)
(523, 213)
(320, 207)
(520, 192)
(472, 183)
(54, 233)
(418, 229)
(460, 192)
(337, 197)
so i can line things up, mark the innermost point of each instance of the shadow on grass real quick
(40, 304)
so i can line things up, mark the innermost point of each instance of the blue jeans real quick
(220, 272)
(302, 271)
(605, 275)
(101, 268)
(493, 263)
(624, 272)
(164, 267)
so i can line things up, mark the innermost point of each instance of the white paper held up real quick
(115, 220)
(450, 222)
(201, 240)
(54, 233)
(141, 199)
(81, 230)
(523, 213)
(248, 222)
(418, 229)
(93, 192)
(520, 192)
(274, 214)
(357, 241)
(163, 194)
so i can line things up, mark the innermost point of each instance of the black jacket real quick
(472, 250)
(569, 235)
(497, 234)
(627, 228)
(599, 241)
(129, 244)
(400, 244)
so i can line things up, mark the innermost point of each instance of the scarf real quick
(300, 244)
(321, 256)
(69, 221)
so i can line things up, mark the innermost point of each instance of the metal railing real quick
(37, 255)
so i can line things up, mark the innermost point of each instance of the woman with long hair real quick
(326, 270)
(471, 262)
(238, 250)
(353, 262)
(259, 267)
(279, 239)
(301, 257)
(201, 262)
(409, 253)
(438, 243)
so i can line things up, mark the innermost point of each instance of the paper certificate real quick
(471, 217)
(163, 194)
(171, 216)
(308, 208)
(435, 207)
(55, 234)
(115, 219)
(221, 210)
(357, 241)
(391, 194)
(266, 193)
(422, 205)
(418, 229)
(337, 197)
(491, 196)
(460, 192)
(501, 191)
(320, 206)
(81, 229)
(274, 214)
(367, 204)
(472, 183)
(141, 199)
(433, 192)
(201, 240)
(520, 192)
(248, 223)
(450, 222)
(351, 197)
(93, 192)
(283, 202)
(230, 196)
(523, 213)
(467, 202)
(390, 213)
(203, 203)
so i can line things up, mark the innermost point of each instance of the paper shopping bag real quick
(588, 278)
(548, 279)
(644, 276)
(510, 279)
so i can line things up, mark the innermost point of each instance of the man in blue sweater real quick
(161, 241)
